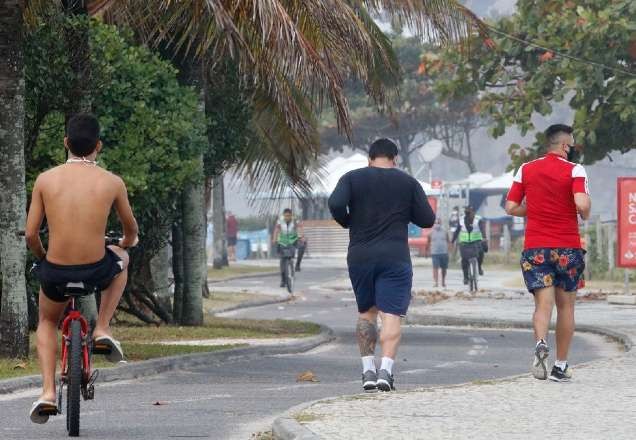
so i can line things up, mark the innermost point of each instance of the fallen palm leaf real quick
(307, 376)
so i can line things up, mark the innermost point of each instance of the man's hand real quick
(126, 243)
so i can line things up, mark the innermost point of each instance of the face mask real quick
(573, 154)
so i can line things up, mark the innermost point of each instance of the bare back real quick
(77, 199)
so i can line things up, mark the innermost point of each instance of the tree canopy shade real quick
(294, 57)
(583, 53)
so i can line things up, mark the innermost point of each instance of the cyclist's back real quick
(77, 200)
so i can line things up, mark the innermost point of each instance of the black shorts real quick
(53, 277)
(386, 286)
(231, 241)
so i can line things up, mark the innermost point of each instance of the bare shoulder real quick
(114, 180)
(46, 176)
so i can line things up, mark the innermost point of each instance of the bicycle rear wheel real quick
(289, 271)
(74, 380)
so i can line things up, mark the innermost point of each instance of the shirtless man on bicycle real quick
(76, 198)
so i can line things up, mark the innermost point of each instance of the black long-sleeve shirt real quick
(377, 204)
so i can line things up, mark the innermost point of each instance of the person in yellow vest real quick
(470, 230)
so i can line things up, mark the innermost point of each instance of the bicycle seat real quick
(75, 289)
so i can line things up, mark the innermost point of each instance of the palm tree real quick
(14, 335)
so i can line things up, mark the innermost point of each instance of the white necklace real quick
(81, 160)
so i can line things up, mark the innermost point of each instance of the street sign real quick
(626, 222)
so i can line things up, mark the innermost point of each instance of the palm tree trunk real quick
(177, 268)
(193, 214)
(14, 334)
(218, 221)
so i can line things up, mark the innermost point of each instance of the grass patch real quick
(307, 417)
(140, 341)
(235, 270)
(215, 327)
(134, 352)
(221, 300)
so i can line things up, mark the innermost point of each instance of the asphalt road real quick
(235, 399)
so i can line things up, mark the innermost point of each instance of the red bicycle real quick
(77, 347)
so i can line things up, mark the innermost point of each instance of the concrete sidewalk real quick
(599, 403)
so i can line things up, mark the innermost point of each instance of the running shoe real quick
(539, 364)
(559, 375)
(369, 380)
(385, 381)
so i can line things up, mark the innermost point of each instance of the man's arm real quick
(34, 222)
(301, 230)
(339, 202)
(421, 212)
(514, 201)
(126, 217)
(580, 189)
(456, 233)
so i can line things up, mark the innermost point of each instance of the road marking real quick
(415, 371)
(452, 364)
(479, 348)
(289, 387)
(306, 315)
(478, 340)
(347, 299)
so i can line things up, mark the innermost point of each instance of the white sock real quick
(368, 363)
(561, 364)
(540, 341)
(387, 364)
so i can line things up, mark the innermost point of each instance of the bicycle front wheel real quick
(473, 274)
(74, 380)
(290, 275)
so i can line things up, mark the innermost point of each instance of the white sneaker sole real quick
(383, 385)
(539, 367)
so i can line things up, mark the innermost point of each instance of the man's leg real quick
(111, 296)
(46, 341)
(436, 275)
(390, 335)
(302, 246)
(282, 264)
(465, 269)
(543, 305)
(565, 322)
(480, 262)
(367, 332)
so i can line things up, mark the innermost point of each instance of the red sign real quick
(626, 222)
(436, 184)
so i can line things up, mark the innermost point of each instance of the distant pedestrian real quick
(376, 204)
(470, 234)
(439, 251)
(231, 233)
(550, 192)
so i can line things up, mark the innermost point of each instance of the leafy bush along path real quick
(141, 342)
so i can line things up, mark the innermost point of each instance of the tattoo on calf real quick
(367, 334)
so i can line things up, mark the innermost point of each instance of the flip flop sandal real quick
(41, 410)
(110, 347)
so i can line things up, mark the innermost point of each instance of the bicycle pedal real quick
(102, 349)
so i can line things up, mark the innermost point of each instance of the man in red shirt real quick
(551, 192)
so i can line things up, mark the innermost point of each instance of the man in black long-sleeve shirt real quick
(376, 204)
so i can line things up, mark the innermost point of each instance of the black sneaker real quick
(539, 363)
(481, 272)
(385, 381)
(465, 281)
(297, 268)
(369, 380)
(559, 375)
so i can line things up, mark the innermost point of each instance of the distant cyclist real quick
(289, 231)
(470, 232)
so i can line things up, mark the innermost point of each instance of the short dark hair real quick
(383, 148)
(553, 131)
(82, 132)
(287, 211)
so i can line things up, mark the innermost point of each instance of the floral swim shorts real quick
(558, 267)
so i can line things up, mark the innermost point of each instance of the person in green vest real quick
(289, 232)
(471, 230)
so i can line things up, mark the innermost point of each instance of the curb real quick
(441, 320)
(249, 304)
(244, 276)
(287, 427)
(161, 365)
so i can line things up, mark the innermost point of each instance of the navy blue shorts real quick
(558, 267)
(386, 286)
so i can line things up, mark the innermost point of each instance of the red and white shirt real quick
(548, 184)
